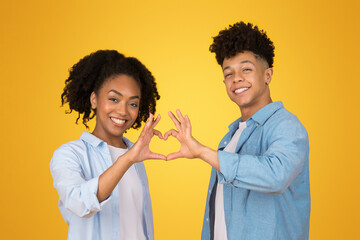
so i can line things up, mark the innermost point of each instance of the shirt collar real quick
(260, 116)
(95, 141)
(266, 112)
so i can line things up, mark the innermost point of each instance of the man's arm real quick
(190, 147)
(271, 172)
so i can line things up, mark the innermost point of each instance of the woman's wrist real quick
(129, 157)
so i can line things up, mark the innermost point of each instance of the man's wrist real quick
(204, 152)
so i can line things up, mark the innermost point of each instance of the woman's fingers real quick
(158, 133)
(157, 120)
(149, 125)
(150, 120)
(153, 155)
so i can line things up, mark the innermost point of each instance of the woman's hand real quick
(138, 153)
(190, 147)
(141, 151)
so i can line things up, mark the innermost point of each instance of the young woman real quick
(100, 178)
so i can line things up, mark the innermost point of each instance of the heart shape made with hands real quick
(190, 147)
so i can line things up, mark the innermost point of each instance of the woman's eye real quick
(113, 100)
(134, 105)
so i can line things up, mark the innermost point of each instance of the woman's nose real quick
(122, 108)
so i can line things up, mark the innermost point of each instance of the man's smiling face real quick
(246, 78)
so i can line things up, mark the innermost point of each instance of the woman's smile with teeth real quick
(240, 90)
(118, 121)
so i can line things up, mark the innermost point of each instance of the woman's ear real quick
(93, 100)
(268, 75)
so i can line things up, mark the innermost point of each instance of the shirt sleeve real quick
(76, 193)
(275, 169)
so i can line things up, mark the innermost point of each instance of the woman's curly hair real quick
(90, 73)
(242, 37)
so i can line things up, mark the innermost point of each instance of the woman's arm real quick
(138, 153)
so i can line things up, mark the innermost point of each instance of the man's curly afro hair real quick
(90, 73)
(242, 37)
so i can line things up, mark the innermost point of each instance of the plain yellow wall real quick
(316, 75)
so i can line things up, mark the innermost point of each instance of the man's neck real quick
(248, 112)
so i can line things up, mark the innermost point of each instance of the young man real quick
(259, 186)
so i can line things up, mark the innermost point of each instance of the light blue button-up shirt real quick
(266, 180)
(76, 167)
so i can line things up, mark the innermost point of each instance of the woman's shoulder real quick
(72, 149)
(72, 145)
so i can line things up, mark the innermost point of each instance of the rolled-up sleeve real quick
(76, 194)
(275, 169)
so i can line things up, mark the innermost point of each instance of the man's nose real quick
(238, 77)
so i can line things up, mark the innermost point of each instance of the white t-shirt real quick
(132, 221)
(220, 226)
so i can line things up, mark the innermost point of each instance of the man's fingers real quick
(175, 120)
(175, 155)
(171, 132)
(188, 124)
(180, 116)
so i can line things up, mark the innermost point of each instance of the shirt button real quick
(209, 191)
(225, 142)
(207, 219)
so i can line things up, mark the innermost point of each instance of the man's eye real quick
(228, 75)
(247, 69)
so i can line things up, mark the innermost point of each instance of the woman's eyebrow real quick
(118, 93)
(114, 91)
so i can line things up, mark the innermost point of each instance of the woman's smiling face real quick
(117, 106)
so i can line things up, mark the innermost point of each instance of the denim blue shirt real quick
(75, 168)
(266, 180)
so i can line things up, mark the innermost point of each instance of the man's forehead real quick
(243, 58)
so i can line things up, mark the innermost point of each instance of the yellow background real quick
(316, 75)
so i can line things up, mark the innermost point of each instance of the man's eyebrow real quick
(246, 61)
(118, 93)
(242, 62)
(226, 68)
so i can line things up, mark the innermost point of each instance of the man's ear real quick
(268, 75)
(93, 100)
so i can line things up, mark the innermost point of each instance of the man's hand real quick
(190, 148)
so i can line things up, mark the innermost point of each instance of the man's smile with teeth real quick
(240, 90)
(118, 121)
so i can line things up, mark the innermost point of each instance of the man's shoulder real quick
(284, 120)
(284, 115)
